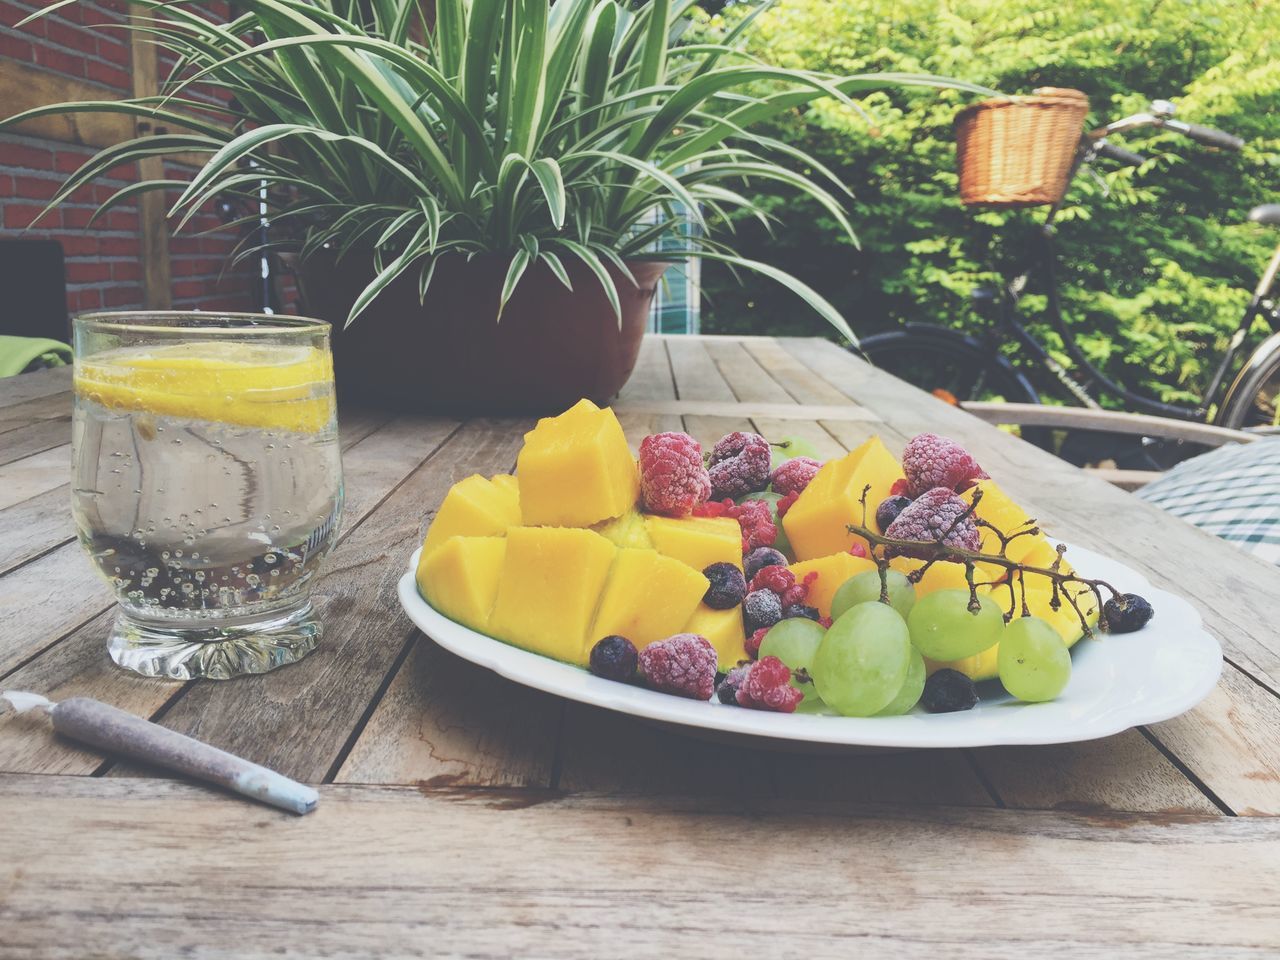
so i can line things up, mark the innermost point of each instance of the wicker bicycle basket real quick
(1018, 151)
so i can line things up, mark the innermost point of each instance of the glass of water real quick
(207, 484)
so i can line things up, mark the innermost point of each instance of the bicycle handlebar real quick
(1206, 135)
(1120, 155)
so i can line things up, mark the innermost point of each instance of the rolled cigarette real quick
(115, 731)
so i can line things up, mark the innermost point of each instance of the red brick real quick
(119, 246)
(126, 270)
(18, 216)
(23, 155)
(69, 161)
(67, 35)
(80, 244)
(34, 188)
(87, 271)
(75, 218)
(15, 48)
(122, 296)
(60, 62)
(108, 75)
(121, 219)
(113, 51)
(90, 298)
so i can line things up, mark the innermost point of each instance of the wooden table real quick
(464, 815)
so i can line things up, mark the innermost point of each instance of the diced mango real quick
(460, 578)
(816, 523)
(549, 588)
(832, 572)
(697, 541)
(508, 482)
(724, 630)
(627, 530)
(941, 574)
(997, 509)
(576, 469)
(473, 507)
(648, 597)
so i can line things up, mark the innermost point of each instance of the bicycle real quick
(958, 366)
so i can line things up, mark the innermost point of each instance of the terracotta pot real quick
(451, 353)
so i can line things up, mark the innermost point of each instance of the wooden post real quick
(156, 292)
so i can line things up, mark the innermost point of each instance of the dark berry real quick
(727, 691)
(801, 610)
(614, 658)
(948, 691)
(889, 509)
(684, 665)
(740, 464)
(767, 686)
(760, 609)
(673, 479)
(762, 557)
(728, 586)
(1127, 613)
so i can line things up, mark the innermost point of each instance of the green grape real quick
(789, 448)
(866, 587)
(1033, 661)
(771, 498)
(794, 641)
(943, 627)
(912, 687)
(863, 660)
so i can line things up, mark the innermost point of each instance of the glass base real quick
(215, 651)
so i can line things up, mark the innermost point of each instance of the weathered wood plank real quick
(783, 410)
(34, 475)
(36, 437)
(746, 378)
(380, 872)
(696, 375)
(35, 525)
(55, 406)
(33, 386)
(652, 378)
(794, 376)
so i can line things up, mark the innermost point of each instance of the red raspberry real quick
(739, 465)
(930, 516)
(826, 622)
(794, 475)
(858, 550)
(752, 643)
(777, 579)
(712, 508)
(900, 488)
(756, 521)
(785, 504)
(672, 478)
(932, 461)
(799, 592)
(768, 687)
(684, 665)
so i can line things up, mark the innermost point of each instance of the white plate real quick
(1117, 682)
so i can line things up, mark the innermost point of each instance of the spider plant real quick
(534, 131)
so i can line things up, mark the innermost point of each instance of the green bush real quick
(1155, 275)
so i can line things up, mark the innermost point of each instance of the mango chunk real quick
(724, 630)
(576, 469)
(941, 575)
(460, 578)
(627, 530)
(508, 482)
(998, 509)
(697, 541)
(473, 507)
(816, 523)
(547, 593)
(832, 572)
(648, 597)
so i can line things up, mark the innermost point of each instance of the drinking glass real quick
(207, 484)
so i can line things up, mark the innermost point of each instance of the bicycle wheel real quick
(1254, 397)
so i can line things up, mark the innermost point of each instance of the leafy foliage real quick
(536, 131)
(1155, 276)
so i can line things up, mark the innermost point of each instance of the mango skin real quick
(647, 598)
(724, 630)
(474, 507)
(460, 578)
(576, 469)
(697, 541)
(549, 589)
(832, 572)
(816, 523)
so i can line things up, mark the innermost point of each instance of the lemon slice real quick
(274, 387)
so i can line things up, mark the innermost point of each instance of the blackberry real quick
(948, 691)
(760, 609)
(614, 658)
(889, 509)
(762, 557)
(801, 610)
(1127, 613)
(727, 691)
(728, 586)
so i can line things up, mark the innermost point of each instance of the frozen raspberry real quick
(762, 557)
(800, 610)
(756, 521)
(777, 579)
(931, 461)
(727, 691)
(900, 488)
(794, 475)
(739, 465)
(672, 478)
(753, 641)
(614, 658)
(713, 508)
(768, 687)
(889, 509)
(858, 550)
(684, 665)
(728, 586)
(761, 608)
(799, 592)
(825, 622)
(933, 514)
(786, 503)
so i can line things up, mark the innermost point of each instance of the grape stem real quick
(882, 548)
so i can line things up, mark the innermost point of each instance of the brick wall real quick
(103, 261)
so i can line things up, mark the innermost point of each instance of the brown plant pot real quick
(451, 353)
